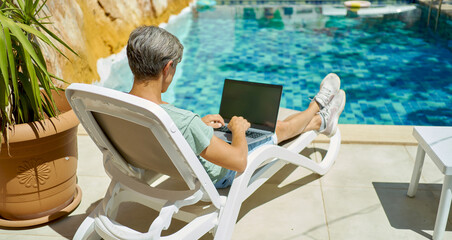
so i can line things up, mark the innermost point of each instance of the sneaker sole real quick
(336, 118)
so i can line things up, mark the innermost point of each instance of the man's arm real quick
(233, 156)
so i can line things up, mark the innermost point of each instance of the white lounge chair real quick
(140, 144)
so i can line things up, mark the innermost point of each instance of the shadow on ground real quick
(65, 226)
(139, 217)
(418, 213)
(273, 191)
(73, 221)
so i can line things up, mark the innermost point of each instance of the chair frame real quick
(126, 184)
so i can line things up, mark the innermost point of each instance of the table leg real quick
(443, 209)
(419, 162)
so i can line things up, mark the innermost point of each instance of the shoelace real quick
(325, 92)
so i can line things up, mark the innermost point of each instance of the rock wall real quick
(98, 28)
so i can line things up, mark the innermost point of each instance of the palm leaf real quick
(34, 83)
(25, 83)
(5, 75)
(57, 78)
(48, 103)
(25, 106)
(22, 38)
(21, 4)
(39, 34)
(40, 8)
(41, 20)
(24, 113)
(54, 36)
(12, 63)
(28, 9)
(47, 86)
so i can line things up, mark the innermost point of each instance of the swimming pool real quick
(393, 70)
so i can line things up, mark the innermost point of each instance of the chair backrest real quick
(137, 132)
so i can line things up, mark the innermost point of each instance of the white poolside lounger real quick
(140, 143)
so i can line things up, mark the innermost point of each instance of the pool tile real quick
(394, 71)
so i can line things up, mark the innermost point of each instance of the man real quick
(153, 55)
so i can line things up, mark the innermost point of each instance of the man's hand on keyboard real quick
(213, 120)
(238, 125)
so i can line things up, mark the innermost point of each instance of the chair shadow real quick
(272, 191)
(142, 216)
(418, 213)
(264, 195)
(68, 226)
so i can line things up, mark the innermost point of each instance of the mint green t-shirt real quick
(198, 136)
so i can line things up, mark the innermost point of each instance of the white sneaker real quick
(328, 88)
(331, 113)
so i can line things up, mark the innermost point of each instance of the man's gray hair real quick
(149, 49)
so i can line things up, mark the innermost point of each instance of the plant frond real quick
(34, 83)
(25, 83)
(4, 83)
(42, 5)
(43, 18)
(22, 38)
(25, 103)
(40, 35)
(12, 64)
(55, 37)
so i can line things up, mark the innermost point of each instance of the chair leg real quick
(230, 211)
(227, 222)
(86, 230)
(420, 155)
(443, 208)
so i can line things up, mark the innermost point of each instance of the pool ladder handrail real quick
(437, 15)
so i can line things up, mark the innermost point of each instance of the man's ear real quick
(166, 68)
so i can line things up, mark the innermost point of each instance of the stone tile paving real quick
(362, 197)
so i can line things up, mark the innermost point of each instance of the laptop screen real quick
(256, 102)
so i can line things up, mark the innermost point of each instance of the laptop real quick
(256, 102)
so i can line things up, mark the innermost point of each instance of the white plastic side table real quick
(437, 143)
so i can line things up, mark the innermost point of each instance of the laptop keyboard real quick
(249, 134)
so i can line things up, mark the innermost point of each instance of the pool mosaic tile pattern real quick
(393, 71)
(296, 2)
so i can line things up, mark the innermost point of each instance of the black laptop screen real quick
(256, 102)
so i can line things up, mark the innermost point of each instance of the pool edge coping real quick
(373, 134)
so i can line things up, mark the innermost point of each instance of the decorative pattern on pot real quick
(32, 172)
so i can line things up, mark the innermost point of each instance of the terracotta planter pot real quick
(38, 177)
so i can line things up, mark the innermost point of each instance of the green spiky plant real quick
(25, 83)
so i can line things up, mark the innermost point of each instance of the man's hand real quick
(232, 156)
(238, 125)
(213, 120)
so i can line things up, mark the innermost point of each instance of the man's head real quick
(150, 49)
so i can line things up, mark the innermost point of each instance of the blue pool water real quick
(394, 70)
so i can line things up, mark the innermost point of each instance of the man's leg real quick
(325, 122)
(309, 119)
(314, 124)
(298, 123)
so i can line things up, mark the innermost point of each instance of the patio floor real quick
(362, 197)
